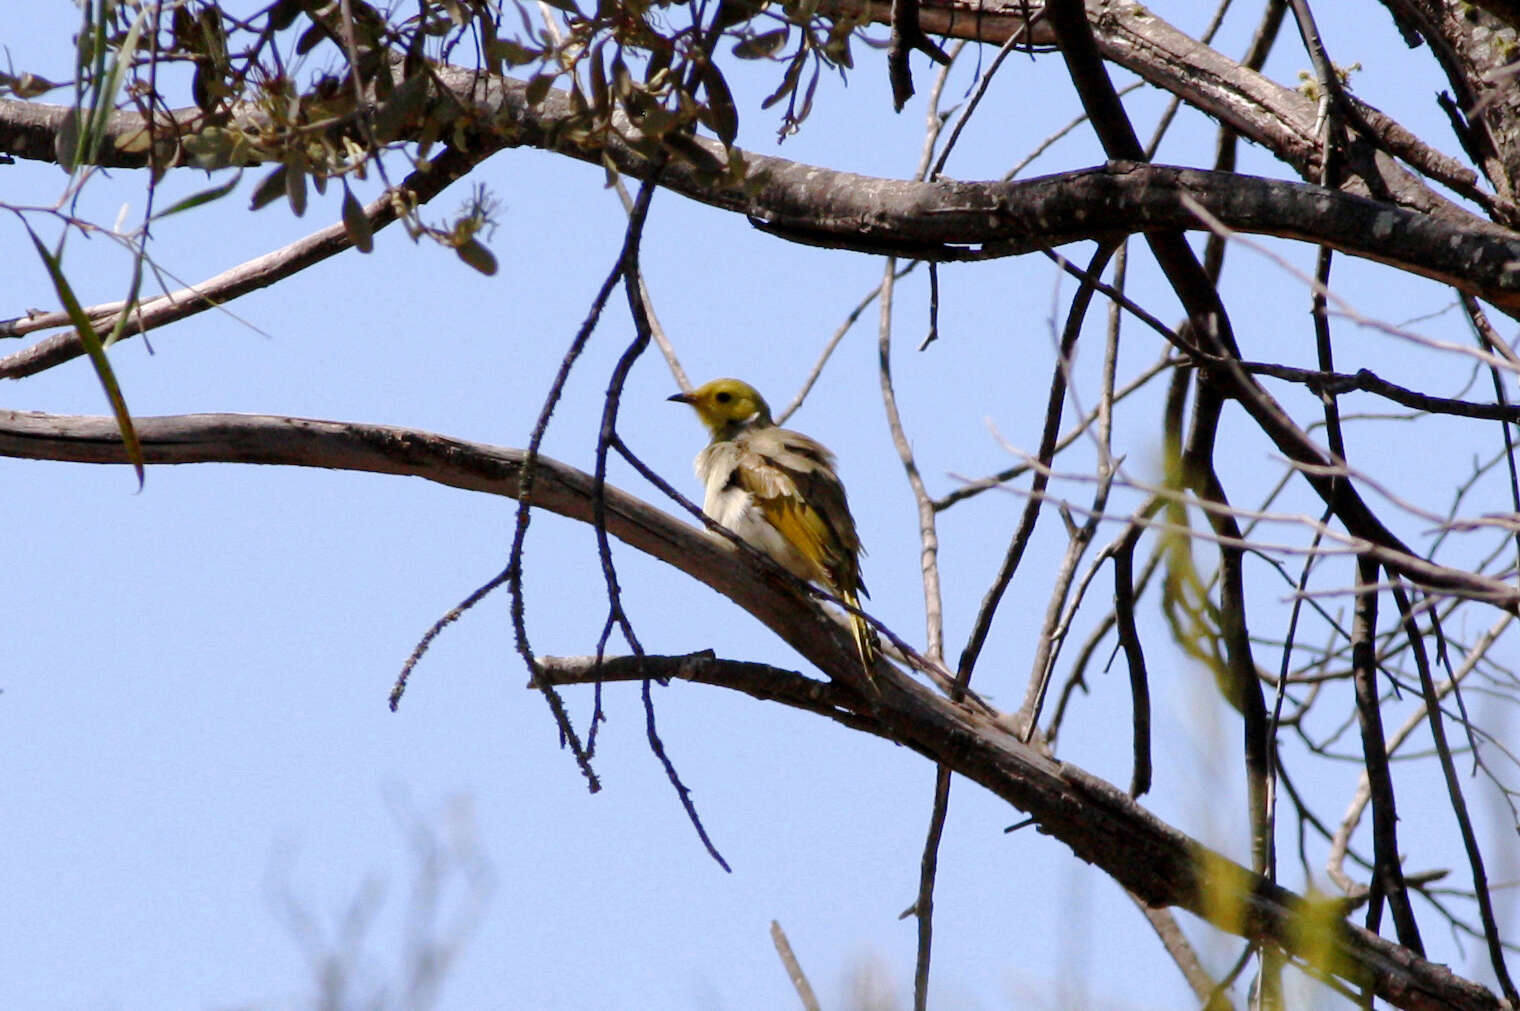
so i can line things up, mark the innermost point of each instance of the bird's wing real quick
(792, 480)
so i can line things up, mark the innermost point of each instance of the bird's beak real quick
(680, 398)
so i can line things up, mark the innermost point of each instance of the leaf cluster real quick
(321, 89)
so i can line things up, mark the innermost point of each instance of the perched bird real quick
(777, 489)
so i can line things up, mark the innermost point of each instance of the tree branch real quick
(1096, 820)
(939, 220)
(1280, 119)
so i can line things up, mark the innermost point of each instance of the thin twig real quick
(656, 330)
(971, 488)
(1029, 710)
(1340, 839)
(833, 342)
(1389, 876)
(1458, 804)
(1129, 639)
(513, 573)
(934, 624)
(794, 969)
(215, 292)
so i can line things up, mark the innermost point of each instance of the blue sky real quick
(194, 699)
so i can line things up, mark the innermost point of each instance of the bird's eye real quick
(724, 398)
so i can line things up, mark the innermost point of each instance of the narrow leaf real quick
(66, 145)
(758, 47)
(295, 184)
(596, 76)
(511, 53)
(97, 355)
(721, 114)
(129, 303)
(788, 81)
(356, 223)
(310, 38)
(537, 89)
(477, 256)
(203, 197)
(269, 189)
(105, 96)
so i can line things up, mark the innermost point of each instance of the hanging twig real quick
(1389, 876)
(1454, 792)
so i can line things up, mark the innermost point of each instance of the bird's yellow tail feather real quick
(864, 636)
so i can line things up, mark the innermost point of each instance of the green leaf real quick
(203, 197)
(269, 189)
(758, 47)
(477, 256)
(578, 104)
(89, 63)
(356, 223)
(104, 99)
(538, 88)
(129, 303)
(622, 81)
(97, 354)
(203, 86)
(721, 114)
(310, 38)
(659, 60)
(596, 76)
(807, 100)
(788, 81)
(512, 53)
(66, 144)
(295, 184)
(214, 33)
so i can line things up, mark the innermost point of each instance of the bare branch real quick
(1256, 107)
(959, 221)
(215, 292)
(794, 969)
(1389, 878)
(1096, 820)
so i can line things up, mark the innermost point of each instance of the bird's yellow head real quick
(727, 407)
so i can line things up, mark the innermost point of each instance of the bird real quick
(779, 491)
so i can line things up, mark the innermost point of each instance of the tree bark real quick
(1096, 820)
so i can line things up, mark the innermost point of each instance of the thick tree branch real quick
(1475, 50)
(967, 221)
(942, 220)
(1096, 820)
(1280, 119)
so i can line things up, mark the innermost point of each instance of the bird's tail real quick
(866, 643)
